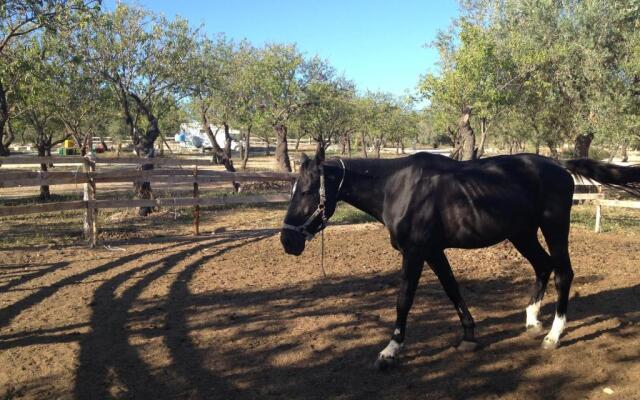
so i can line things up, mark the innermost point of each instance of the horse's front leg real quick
(411, 269)
(438, 262)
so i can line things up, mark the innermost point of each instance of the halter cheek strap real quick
(303, 229)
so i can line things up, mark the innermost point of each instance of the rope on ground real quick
(111, 248)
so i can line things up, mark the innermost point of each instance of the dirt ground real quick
(230, 316)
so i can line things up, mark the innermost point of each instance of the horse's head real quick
(313, 202)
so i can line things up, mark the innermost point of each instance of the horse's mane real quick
(381, 167)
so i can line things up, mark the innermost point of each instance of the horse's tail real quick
(617, 176)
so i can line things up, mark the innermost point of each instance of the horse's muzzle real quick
(292, 242)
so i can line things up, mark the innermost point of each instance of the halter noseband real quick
(320, 210)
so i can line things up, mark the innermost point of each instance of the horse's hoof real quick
(534, 330)
(383, 364)
(549, 344)
(468, 346)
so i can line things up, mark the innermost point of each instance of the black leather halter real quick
(319, 212)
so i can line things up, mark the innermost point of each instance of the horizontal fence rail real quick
(177, 176)
(132, 203)
(102, 160)
(89, 177)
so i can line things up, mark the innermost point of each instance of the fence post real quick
(90, 213)
(196, 208)
(598, 226)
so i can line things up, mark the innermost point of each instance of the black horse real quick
(430, 202)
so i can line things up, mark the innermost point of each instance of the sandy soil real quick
(229, 316)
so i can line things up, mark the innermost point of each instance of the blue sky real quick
(378, 44)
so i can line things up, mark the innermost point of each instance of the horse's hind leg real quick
(556, 234)
(440, 266)
(530, 248)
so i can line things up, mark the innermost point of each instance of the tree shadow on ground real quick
(306, 340)
(253, 349)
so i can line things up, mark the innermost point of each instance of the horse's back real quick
(483, 202)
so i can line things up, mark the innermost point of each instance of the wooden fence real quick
(599, 201)
(89, 177)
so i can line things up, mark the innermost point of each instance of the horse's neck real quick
(365, 180)
(364, 192)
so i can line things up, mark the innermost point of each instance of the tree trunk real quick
(142, 190)
(5, 140)
(348, 136)
(483, 137)
(218, 153)
(245, 156)
(364, 144)
(553, 151)
(457, 144)
(282, 151)
(582, 145)
(343, 146)
(144, 145)
(467, 136)
(45, 194)
(10, 137)
(298, 142)
(613, 153)
(623, 152)
(266, 152)
(402, 146)
(224, 156)
(377, 145)
(164, 140)
(106, 148)
(79, 139)
(227, 141)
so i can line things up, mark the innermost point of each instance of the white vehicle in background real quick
(193, 135)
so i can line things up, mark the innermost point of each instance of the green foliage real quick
(280, 78)
(329, 111)
(541, 71)
(131, 73)
(19, 18)
(143, 59)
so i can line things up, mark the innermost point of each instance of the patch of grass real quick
(346, 214)
(240, 207)
(36, 199)
(584, 216)
(613, 219)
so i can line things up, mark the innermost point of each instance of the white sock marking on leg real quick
(532, 314)
(557, 328)
(392, 350)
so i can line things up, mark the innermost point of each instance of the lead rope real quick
(324, 273)
(322, 201)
